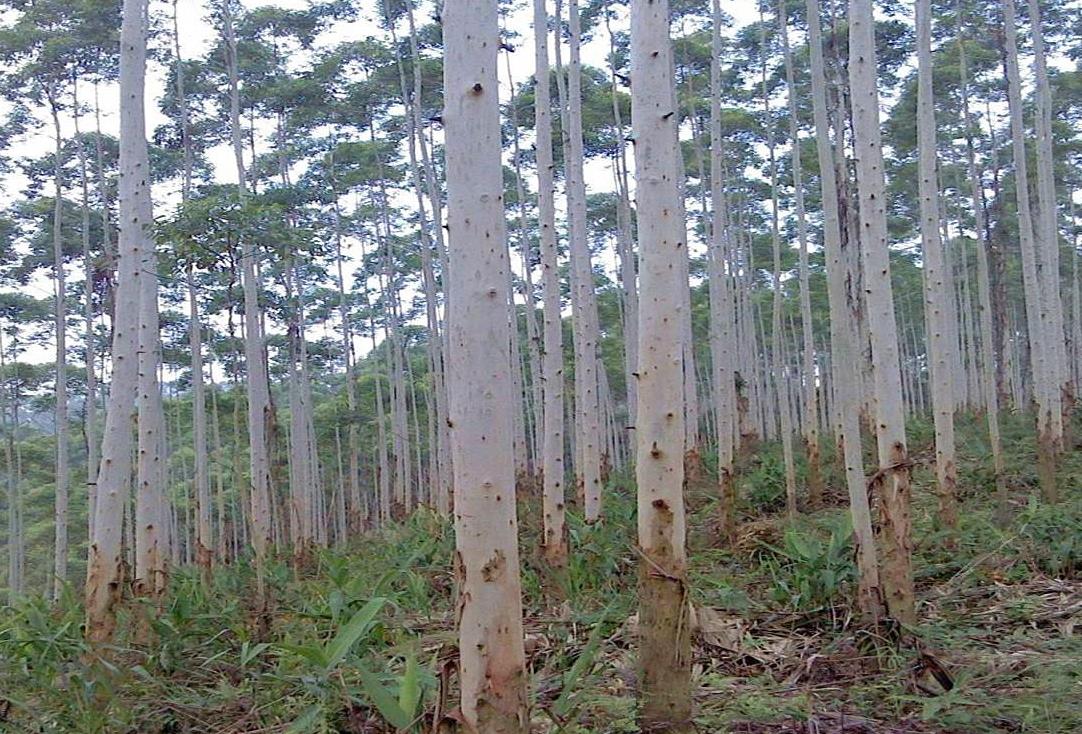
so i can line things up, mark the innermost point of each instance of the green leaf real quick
(354, 629)
(801, 545)
(312, 653)
(581, 666)
(409, 690)
(337, 603)
(380, 697)
(249, 652)
(306, 722)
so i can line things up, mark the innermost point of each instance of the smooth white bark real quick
(492, 670)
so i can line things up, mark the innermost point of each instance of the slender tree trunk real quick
(353, 480)
(532, 337)
(435, 341)
(843, 352)
(1042, 351)
(491, 656)
(811, 392)
(204, 526)
(984, 294)
(584, 301)
(60, 516)
(722, 316)
(664, 625)
(1046, 231)
(258, 387)
(222, 546)
(104, 569)
(626, 248)
(777, 364)
(893, 479)
(14, 539)
(384, 478)
(554, 540)
(90, 404)
(937, 288)
(151, 545)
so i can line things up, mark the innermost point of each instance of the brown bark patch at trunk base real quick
(948, 498)
(103, 597)
(1046, 466)
(892, 484)
(815, 475)
(204, 558)
(693, 467)
(664, 648)
(723, 526)
(528, 486)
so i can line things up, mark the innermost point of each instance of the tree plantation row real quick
(344, 265)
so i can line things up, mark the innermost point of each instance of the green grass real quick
(363, 642)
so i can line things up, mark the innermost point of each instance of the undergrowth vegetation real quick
(363, 640)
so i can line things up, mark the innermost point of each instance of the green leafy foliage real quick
(808, 571)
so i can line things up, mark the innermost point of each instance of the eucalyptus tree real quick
(258, 387)
(204, 540)
(721, 296)
(1046, 232)
(893, 479)
(937, 288)
(583, 301)
(104, 569)
(552, 469)
(1039, 322)
(846, 413)
(808, 362)
(778, 367)
(492, 661)
(664, 628)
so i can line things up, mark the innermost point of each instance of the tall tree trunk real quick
(14, 539)
(204, 527)
(626, 248)
(534, 403)
(938, 290)
(664, 625)
(90, 404)
(554, 540)
(60, 516)
(104, 569)
(1042, 352)
(435, 342)
(984, 290)
(258, 387)
(893, 479)
(811, 392)
(384, 479)
(491, 656)
(1047, 230)
(353, 480)
(583, 298)
(843, 352)
(151, 533)
(722, 316)
(777, 363)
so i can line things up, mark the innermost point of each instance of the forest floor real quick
(363, 640)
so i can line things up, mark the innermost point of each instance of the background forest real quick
(778, 349)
